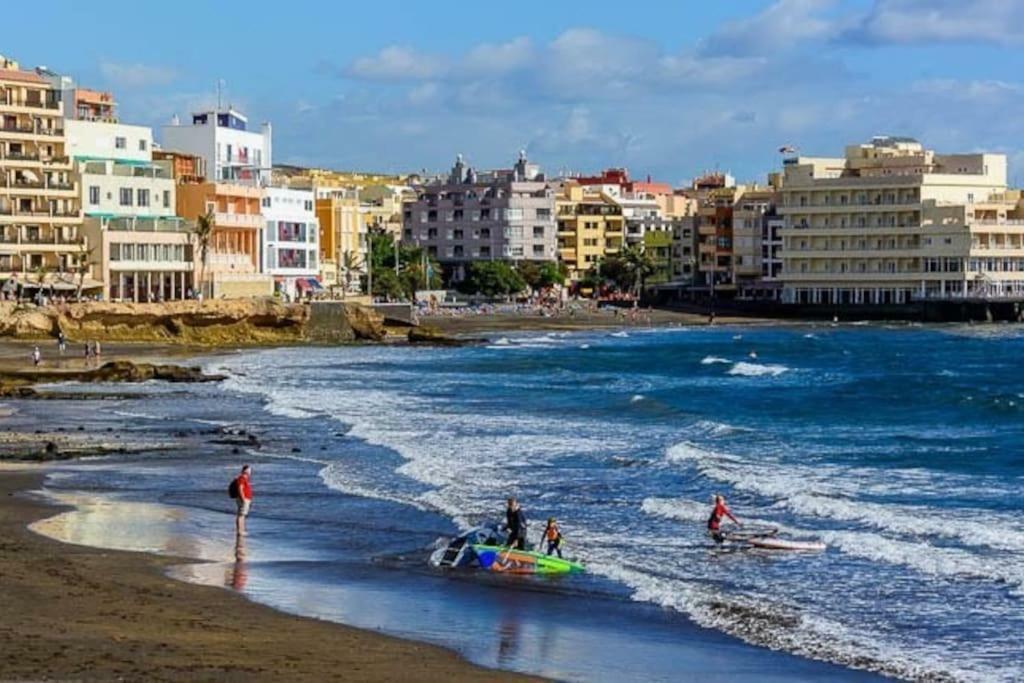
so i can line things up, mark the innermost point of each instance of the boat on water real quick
(484, 547)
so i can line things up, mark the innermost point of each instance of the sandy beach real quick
(72, 612)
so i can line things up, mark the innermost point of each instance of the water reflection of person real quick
(239, 573)
(508, 638)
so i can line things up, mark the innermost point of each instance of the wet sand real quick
(72, 612)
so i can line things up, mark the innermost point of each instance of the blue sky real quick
(668, 88)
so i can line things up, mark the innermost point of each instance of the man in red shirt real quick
(244, 500)
(715, 520)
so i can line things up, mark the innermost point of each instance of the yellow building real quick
(40, 210)
(590, 228)
(342, 238)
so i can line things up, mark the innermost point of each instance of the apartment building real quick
(505, 214)
(752, 206)
(684, 250)
(291, 241)
(891, 221)
(591, 227)
(39, 198)
(139, 249)
(233, 154)
(232, 267)
(186, 168)
(343, 238)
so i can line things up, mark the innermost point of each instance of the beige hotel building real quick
(892, 222)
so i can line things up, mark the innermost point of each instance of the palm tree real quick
(640, 264)
(82, 265)
(203, 232)
(349, 264)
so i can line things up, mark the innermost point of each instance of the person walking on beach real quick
(37, 357)
(715, 520)
(241, 490)
(62, 342)
(515, 523)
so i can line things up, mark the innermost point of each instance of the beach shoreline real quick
(74, 611)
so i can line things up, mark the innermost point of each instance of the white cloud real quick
(137, 75)
(919, 21)
(492, 59)
(785, 25)
(398, 63)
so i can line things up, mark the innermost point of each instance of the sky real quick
(667, 88)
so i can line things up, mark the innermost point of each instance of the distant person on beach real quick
(62, 342)
(37, 357)
(715, 520)
(241, 489)
(96, 349)
(515, 524)
(553, 535)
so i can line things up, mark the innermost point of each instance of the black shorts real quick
(717, 535)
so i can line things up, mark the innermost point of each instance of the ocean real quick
(898, 446)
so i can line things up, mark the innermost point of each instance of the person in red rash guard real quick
(244, 500)
(715, 520)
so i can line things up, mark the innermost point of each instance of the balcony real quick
(29, 104)
(237, 220)
(19, 156)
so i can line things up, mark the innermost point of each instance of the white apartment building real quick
(233, 153)
(291, 240)
(890, 222)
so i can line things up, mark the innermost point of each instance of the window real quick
(265, 202)
(126, 196)
(120, 142)
(308, 205)
(115, 251)
(142, 197)
(485, 251)
(538, 231)
(543, 213)
(514, 214)
(167, 199)
(94, 194)
(142, 145)
(538, 250)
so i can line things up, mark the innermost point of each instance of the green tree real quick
(542, 275)
(82, 262)
(203, 232)
(493, 278)
(639, 266)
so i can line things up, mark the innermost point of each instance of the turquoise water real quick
(900, 448)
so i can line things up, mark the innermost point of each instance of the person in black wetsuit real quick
(515, 524)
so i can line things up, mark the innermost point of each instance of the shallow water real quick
(897, 447)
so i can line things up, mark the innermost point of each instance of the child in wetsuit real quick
(553, 535)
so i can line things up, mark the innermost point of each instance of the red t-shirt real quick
(244, 487)
(716, 516)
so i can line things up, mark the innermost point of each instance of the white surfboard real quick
(769, 543)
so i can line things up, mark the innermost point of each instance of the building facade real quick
(591, 228)
(233, 154)
(343, 238)
(888, 222)
(291, 240)
(496, 215)
(40, 211)
(232, 265)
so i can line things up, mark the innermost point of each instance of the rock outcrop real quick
(426, 334)
(20, 383)
(213, 323)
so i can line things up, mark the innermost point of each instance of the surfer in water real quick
(715, 520)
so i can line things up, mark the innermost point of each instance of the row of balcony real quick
(24, 184)
(29, 129)
(39, 213)
(24, 102)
